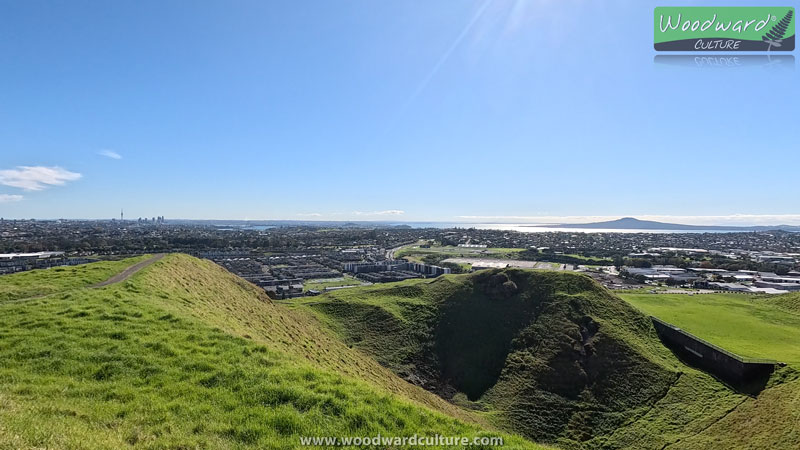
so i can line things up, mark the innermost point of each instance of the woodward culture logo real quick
(727, 29)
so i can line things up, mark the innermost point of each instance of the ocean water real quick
(536, 228)
(521, 227)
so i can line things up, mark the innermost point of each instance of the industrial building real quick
(396, 266)
(19, 262)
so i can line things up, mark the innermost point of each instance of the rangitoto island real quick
(631, 223)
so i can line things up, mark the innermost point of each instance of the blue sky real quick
(382, 110)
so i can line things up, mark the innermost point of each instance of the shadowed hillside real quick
(553, 356)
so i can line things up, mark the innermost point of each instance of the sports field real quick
(744, 324)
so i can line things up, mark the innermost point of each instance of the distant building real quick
(773, 278)
(648, 273)
(775, 258)
(684, 278)
(779, 286)
(18, 262)
(734, 287)
(396, 266)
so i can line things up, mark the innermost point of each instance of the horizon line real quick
(735, 220)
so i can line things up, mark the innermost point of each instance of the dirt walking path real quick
(122, 276)
(130, 271)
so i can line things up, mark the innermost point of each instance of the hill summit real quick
(184, 354)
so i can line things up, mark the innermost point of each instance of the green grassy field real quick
(558, 359)
(590, 260)
(415, 253)
(185, 355)
(743, 324)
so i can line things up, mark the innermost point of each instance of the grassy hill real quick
(556, 357)
(761, 327)
(186, 355)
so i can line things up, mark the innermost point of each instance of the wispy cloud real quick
(109, 154)
(309, 215)
(36, 178)
(388, 212)
(9, 198)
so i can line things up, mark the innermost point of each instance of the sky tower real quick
(121, 215)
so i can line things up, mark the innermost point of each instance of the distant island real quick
(631, 223)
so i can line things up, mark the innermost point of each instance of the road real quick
(391, 251)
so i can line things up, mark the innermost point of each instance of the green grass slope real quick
(42, 282)
(772, 420)
(553, 356)
(185, 355)
(787, 302)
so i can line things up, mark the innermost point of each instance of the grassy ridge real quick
(787, 302)
(47, 281)
(184, 355)
(198, 288)
(746, 325)
(578, 366)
